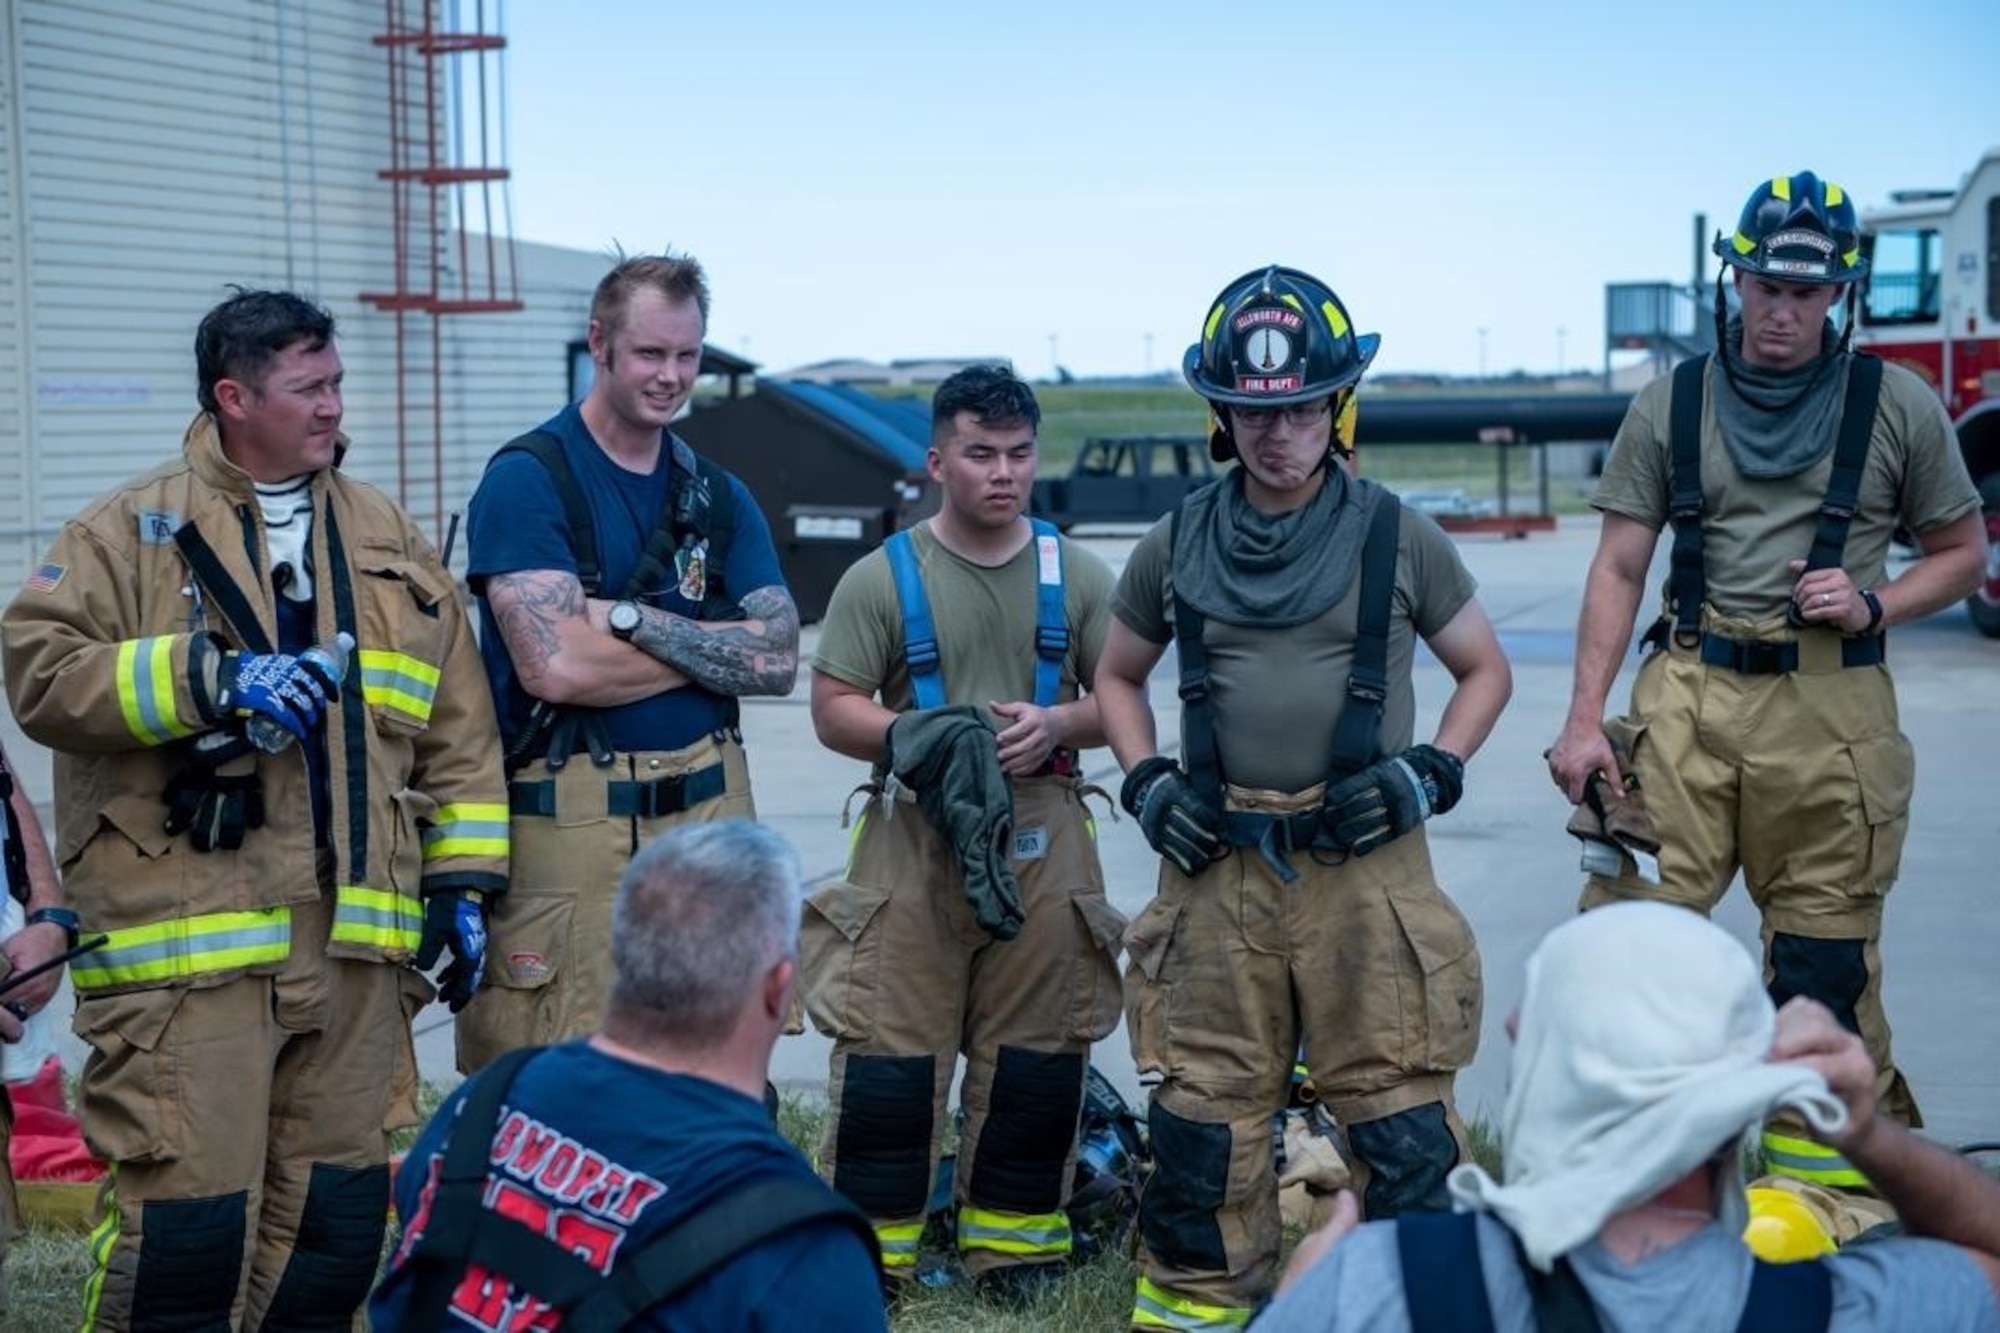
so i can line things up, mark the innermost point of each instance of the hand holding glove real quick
(1387, 799)
(292, 691)
(1177, 821)
(217, 797)
(455, 919)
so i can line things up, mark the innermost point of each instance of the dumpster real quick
(817, 543)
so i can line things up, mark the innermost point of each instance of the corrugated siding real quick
(167, 148)
(16, 483)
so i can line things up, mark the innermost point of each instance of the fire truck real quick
(1932, 303)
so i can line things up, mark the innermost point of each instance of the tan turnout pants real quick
(1801, 780)
(548, 950)
(1368, 963)
(244, 1122)
(898, 972)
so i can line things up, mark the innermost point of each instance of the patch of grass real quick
(45, 1274)
(46, 1268)
(1092, 1296)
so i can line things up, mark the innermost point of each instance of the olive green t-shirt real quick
(985, 622)
(1278, 692)
(1751, 529)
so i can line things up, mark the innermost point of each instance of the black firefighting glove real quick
(1180, 825)
(455, 919)
(217, 796)
(1387, 799)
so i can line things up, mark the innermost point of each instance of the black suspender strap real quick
(439, 1260)
(1198, 745)
(708, 1238)
(1442, 1282)
(1687, 581)
(1445, 1290)
(1850, 458)
(460, 1230)
(220, 588)
(1357, 737)
(547, 450)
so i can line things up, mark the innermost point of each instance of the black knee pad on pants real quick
(339, 1244)
(1408, 1156)
(190, 1260)
(1177, 1210)
(1834, 972)
(882, 1151)
(1037, 1100)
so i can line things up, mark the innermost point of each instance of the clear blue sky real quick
(888, 180)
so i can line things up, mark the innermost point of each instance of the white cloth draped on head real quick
(1641, 1053)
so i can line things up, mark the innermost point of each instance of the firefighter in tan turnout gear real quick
(630, 596)
(1763, 727)
(973, 917)
(267, 839)
(1296, 904)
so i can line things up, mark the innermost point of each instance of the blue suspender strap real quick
(1051, 622)
(1443, 1284)
(1788, 1298)
(920, 645)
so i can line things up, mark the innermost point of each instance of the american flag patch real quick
(46, 578)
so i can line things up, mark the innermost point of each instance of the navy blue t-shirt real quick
(515, 522)
(607, 1153)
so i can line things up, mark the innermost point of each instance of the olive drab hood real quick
(947, 757)
(106, 650)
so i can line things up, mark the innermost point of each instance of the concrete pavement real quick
(1503, 855)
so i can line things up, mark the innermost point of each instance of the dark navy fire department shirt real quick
(609, 1153)
(515, 523)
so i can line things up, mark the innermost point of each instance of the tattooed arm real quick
(563, 651)
(756, 655)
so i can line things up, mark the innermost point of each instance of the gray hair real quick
(703, 912)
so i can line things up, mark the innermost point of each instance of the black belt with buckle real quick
(648, 799)
(1775, 659)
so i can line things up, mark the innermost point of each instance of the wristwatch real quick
(71, 923)
(625, 619)
(1874, 610)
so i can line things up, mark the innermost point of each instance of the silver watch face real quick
(624, 617)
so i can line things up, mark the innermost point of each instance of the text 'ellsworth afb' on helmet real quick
(1797, 229)
(1276, 336)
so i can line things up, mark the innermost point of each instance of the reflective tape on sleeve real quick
(377, 918)
(399, 682)
(467, 829)
(146, 680)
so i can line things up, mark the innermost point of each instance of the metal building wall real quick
(153, 151)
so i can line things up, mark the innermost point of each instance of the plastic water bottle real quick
(266, 733)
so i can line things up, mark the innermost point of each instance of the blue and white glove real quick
(455, 919)
(290, 691)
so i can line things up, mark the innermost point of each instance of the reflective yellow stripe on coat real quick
(146, 680)
(467, 829)
(186, 947)
(1156, 1307)
(378, 918)
(399, 683)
